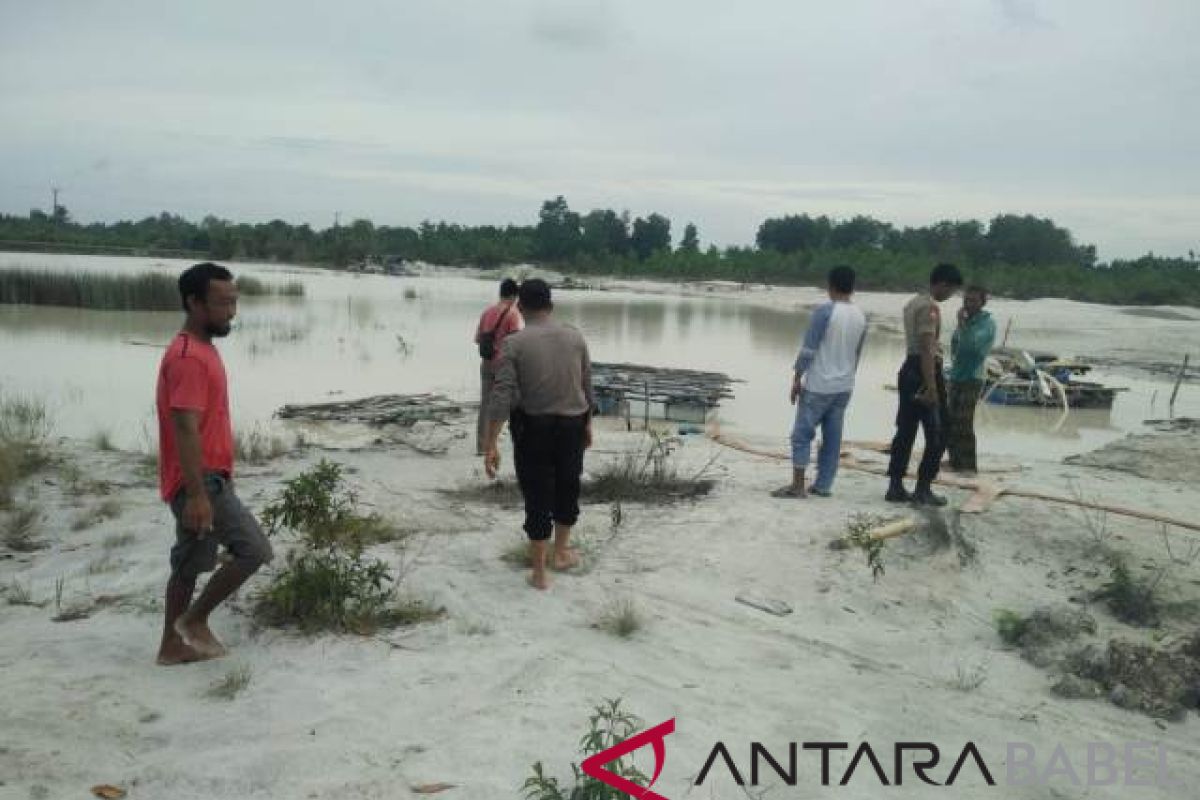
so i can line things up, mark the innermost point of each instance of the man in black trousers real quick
(922, 390)
(544, 387)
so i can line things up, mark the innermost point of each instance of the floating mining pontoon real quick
(644, 392)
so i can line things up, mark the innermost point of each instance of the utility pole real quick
(54, 190)
(337, 215)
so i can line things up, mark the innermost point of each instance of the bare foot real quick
(538, 581)
(567, 559)
(791, 491)
(198, 635)
(177, 652)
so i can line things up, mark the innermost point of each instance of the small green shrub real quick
(1131, 600)
(231, 684)
(328, 583)
(316, 504)
(21, 528)
(858, 534)
(333, 590)
(103, 440)
(608, 726)
(621, 618)
(649, 474)
(319, 506)
(19, 595)
(1010, 625)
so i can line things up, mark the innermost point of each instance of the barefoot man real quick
(544, 387)
(195, 467)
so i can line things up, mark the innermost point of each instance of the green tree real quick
(691, 240)
(793, 233)
(859, 232)
(605, 233)
(558, 235)
(1028, 240)
(650, 235)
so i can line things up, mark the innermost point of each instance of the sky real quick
(716, 113)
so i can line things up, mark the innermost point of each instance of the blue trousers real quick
(827, 412)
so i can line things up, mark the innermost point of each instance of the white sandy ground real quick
(510, 675)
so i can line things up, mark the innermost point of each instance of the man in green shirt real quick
(973, 340)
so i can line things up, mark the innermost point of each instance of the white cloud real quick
(710, 112)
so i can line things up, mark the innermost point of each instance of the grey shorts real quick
(233, 526)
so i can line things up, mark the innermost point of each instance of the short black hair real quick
(194, 280)
(508, 288)
(841, 279)
(947, 274)
(977, 288)
(534, 295)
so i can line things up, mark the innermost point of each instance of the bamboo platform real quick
(384, 409)
(615, 384)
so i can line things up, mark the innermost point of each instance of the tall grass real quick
(258, 446)
(620, 617)
(24, 429)
(147, 291)
(290, 289)
(249, 286)
(19, 532)
(649, 474)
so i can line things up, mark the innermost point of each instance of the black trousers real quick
(548, 455)
(913, 414)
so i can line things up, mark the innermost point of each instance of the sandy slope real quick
(510, 675)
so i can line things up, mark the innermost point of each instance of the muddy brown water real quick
(355, 335)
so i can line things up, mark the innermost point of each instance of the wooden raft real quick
(382, 409)
(618, 382)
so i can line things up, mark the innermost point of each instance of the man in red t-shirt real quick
(496, 322)
(195, 470)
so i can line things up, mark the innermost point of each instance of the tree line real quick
(1019, 256)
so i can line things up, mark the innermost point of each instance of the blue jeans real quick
(828, 412)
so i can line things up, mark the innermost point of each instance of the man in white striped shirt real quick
(822, 383)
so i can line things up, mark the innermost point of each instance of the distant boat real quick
(394, 265)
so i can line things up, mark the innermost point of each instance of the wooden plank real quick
(985, 494)
(986, 491)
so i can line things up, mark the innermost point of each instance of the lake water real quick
(355, 335)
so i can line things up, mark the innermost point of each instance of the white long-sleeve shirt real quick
(829, 356)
